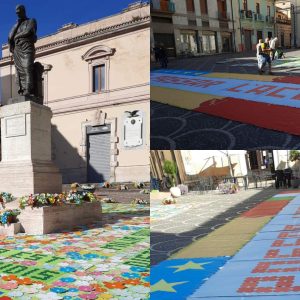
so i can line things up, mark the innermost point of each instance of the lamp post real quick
(293, 13)
(233, 27)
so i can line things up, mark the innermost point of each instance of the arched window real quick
(98, 58)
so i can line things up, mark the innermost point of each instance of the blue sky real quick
(52, 14)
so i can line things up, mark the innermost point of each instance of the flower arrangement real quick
(39, 200)
(168, 201)
(9, 216)
(88, 188)
(5, 198)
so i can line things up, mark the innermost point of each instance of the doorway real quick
(98, 149)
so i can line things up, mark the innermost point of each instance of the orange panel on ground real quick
(290, 192)
(266, 209)
(287, 79)
(276, 117)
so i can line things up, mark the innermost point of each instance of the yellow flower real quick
(104, 296)
(51, 200)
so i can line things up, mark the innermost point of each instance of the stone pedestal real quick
(26, 166)
(19, 99)
(50, 219)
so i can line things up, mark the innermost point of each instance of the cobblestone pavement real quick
(177, 128)
(194, 216)
(243, 63)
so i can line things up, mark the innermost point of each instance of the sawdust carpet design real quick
(216, 265)
(270, 102)
(109, 262)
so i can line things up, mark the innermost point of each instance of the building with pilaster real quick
(295, 18)
(283, 29)
(96, 82)
(257, 21)
(194, 27)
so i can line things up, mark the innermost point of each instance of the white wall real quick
(196, 161)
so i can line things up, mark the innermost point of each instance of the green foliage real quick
(170, 169)
(294, 155)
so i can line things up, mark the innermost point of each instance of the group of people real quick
(161, 56)
(266, 53)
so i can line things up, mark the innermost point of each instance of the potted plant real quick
(294, 157)
(170, 169)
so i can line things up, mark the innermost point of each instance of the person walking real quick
(261, 60)
(163, 58)
(273, 47)
(156, 53)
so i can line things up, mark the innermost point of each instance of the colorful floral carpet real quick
(230, 264)
(94, 262)
(270, 102)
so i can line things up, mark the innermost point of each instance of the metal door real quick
(248, 41)
(98, 154)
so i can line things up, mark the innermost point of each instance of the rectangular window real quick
(257, 8)
(98, 78)
(190, 6)
(245, 5)
(203, 7)
(269, 10)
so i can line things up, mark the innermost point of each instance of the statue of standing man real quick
(21, 44)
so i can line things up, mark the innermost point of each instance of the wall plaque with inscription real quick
(133, 132)
(15, 126)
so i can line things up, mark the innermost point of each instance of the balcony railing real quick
(223, 15)
(246, 14)
(269, 19)
(259, 17)
(283, 21)
(163, 6)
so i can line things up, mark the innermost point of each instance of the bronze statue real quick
(21, 44)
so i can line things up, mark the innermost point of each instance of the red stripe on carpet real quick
(265, 209)
(287, 79)
(276, 117)
(290, 192)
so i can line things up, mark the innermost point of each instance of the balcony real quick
(223, 16)
(259, 17)
(269, 19)
(246, 14)
(162, 6)
(283, 21)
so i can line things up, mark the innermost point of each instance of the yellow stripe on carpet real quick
(226, 240)
(182, 99)
(255, 77)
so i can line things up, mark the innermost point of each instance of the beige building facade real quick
(283, 24)
(194, 27)
(96, 82)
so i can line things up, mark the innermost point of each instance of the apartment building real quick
(257, 21)
(194, 27)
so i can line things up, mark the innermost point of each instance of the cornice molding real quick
(103, 33)
(98, 52)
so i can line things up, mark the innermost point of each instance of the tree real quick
(294, 155)
(170, 169)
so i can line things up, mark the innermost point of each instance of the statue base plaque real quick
(26, 165)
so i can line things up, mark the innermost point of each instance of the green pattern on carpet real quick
(288, 198)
